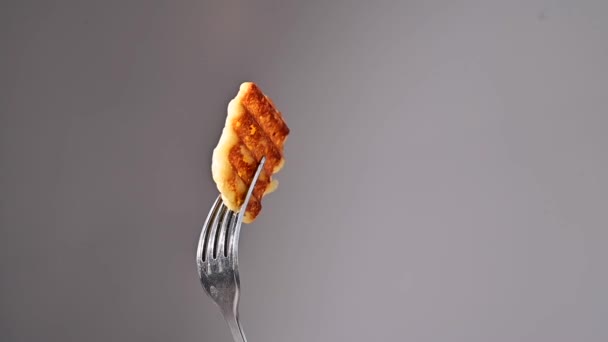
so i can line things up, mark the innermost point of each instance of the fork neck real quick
(235, 327)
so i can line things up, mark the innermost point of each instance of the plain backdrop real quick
(446, 175)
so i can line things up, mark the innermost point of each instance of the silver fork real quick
(217, 258)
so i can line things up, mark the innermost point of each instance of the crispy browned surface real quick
(254, 129)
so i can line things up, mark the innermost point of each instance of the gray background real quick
(446, 173)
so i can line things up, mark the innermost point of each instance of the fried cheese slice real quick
(254, 128)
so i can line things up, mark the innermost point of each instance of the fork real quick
(217, 258)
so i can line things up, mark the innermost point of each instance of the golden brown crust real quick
(254, 129)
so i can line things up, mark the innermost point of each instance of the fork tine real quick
(213, 232)
(219, 250)
(200, 251)
(232, 239)
(235, 230)
(250, 191)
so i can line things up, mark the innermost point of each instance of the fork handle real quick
(235, 327)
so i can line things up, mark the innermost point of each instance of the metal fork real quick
(217, 258)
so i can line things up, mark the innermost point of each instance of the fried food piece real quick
(254, 129)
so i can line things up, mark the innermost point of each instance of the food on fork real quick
(254, 128)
